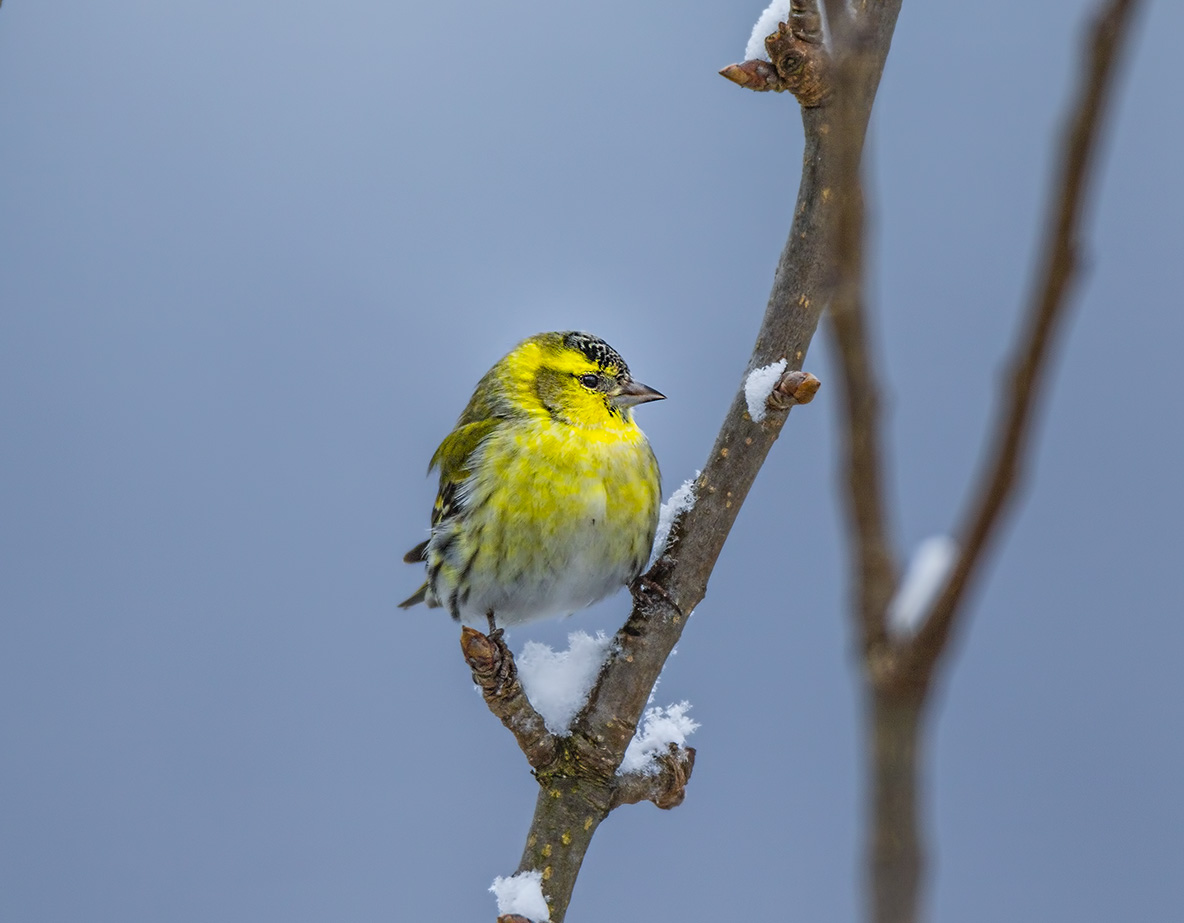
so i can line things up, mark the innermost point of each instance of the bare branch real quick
(873, 563)
(899, 674)
(895, 847)
(895, 853)
(494, 671)
(757, 75)
(1023, 387)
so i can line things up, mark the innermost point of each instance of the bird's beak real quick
(634, 392)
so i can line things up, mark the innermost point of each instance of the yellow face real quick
(577, 379)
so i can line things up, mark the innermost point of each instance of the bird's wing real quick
(453, 458)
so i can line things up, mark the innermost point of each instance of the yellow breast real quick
(562, 516)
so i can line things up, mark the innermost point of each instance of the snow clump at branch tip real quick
(660, 727)
(759, 385)
(778, 11)
(925, 578)
(557, 682)
(680, 501)
(521, 894)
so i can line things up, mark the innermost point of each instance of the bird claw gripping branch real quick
(490, 660)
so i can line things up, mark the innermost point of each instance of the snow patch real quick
(925, 578)
(522, 894)
(557, 682)
(660, 727)
(777, 12)
(680, 501)
(759, 385)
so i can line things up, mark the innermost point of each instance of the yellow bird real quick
(549, 492)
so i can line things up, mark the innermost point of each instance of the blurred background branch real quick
(900, 667)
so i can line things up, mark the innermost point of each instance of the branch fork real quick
(580, 755)
(899, 672)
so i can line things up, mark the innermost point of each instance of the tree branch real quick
(580, 788)
(899, 672)
(895, 855)
(1025, 384)
(873, 563)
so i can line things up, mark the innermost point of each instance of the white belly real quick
(568, 569)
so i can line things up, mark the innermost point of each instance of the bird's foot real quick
(489, 657)
(644, 584)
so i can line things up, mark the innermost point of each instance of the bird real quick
(549, 491)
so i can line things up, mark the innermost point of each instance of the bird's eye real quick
(591, 380)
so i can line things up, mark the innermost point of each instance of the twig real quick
(1024, 386)
(494, 671)
(899, 673)
(873, 562)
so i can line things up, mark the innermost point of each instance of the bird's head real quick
(577, 378)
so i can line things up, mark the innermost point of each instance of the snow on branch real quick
(927, 573)
(558, 682)
(660, 728)
(680, 501)
(777, 12)
(759, 385)
(521, 894)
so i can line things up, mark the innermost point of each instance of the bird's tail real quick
(418, 554)
(415, 598)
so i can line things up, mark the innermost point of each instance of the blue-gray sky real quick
(253, 257)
